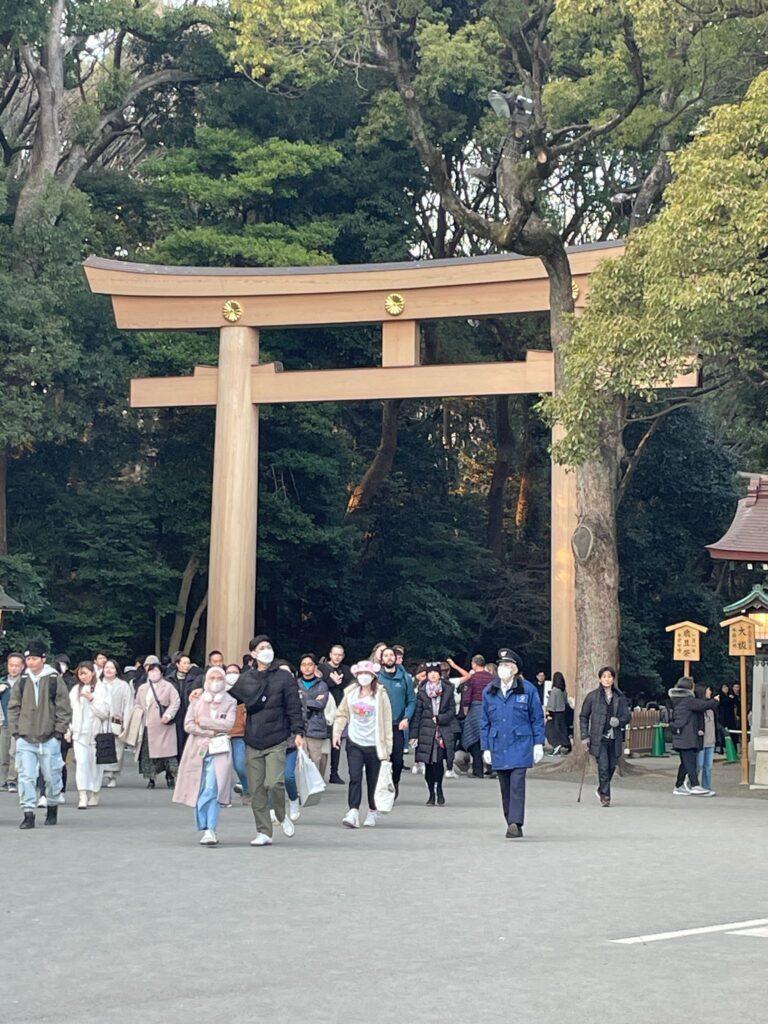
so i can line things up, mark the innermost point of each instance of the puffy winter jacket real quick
(687, 719)
(272, 704)
(423, 724)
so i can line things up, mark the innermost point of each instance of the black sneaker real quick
(514, 831)
(336, 780)
(151, 784)
(11, 787)
(440, 800)
(52, 815)
(29, 820)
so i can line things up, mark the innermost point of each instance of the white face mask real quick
(216, 685)
(506, 671)
(365, 678)
(265, 656)
(232, 677)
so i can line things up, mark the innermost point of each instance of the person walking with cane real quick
(512, 735)
(604, 715)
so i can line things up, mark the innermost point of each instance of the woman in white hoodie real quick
(87, 720)
(367, 713)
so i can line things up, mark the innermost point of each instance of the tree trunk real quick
(368, 489)
(187, 579)
(494, 531)
(194, 625)
(158, 633)
(3, 501)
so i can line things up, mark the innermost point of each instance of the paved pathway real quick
(432, 917)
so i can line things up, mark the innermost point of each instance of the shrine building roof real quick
(746, 539)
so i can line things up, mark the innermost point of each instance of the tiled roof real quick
(746, 539)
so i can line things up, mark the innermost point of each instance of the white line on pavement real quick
(709, 929)
(759, 933)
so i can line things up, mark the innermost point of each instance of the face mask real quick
(232, 677)
(365, 679)
(216, 685)
(506, 671)
(265, 656)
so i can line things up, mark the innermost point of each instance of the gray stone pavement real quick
(118, 916)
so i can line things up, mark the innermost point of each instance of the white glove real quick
(487, 757)
(538, 752)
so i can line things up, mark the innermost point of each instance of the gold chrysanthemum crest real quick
(232, 311)
(394, 304)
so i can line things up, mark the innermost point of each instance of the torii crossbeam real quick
(397, 295)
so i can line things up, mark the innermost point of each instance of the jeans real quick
(357, 759)
(238, 762)
(704, 760)
(208, 808)
(512, 782)
(687, 767)
(290, 774)
(33, 759)
(606, 766)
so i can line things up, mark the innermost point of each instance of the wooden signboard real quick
(687, 646)
(741, 638)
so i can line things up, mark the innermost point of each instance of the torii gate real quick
(398, 295)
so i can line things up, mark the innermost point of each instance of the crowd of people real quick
(242, 731)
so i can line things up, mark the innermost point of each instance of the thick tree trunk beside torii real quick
(366, 492)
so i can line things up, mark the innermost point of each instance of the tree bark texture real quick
(502, 466)
(369, 487)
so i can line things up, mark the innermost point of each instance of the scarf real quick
(435, 692)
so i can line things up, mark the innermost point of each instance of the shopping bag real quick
(309, 781)
(384, 797)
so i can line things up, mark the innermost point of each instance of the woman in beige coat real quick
(366, 714)
(159, 702)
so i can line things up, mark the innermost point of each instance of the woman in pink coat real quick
(159, 703)
(205, 776)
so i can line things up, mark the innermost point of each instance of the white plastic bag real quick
(384, 797)
(309, 781)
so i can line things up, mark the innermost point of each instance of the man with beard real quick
(402, 697)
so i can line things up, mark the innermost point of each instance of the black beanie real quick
(35, 649)
(258, 640)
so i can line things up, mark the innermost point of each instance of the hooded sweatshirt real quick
(37, 718)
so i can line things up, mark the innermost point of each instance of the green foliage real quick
(691, 286)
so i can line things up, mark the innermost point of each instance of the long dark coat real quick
(595, 715)
(423, 725)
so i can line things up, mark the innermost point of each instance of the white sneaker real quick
(287, 826)
(415, 770)
(61, 799)
(273, 817)
(209, 838)
(681, 791)
(93, 800)
(371, 820)
(238, 788)
(422, 767)
(42, 802)
(111, 783)
(352, 818)
(450, 774)
(294, 810)
(261, 840)
(700, 791)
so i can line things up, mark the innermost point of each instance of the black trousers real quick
(398, 745)
(477, 759)
(687, 767)
(357, 759)
(607, 760)
(512, 782)
(433, 776)
(335, 756)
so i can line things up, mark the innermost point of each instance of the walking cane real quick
(583, 776)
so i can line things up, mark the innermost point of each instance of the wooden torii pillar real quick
(398, 295)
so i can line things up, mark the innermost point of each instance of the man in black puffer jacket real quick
(273, 714)
(687, 724)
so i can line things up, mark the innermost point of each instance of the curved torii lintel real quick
(151, 297)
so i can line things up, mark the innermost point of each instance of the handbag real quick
(220, 744)
(106, 749)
